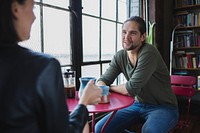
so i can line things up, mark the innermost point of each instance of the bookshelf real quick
(185, 43)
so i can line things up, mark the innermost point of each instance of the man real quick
(148, 81)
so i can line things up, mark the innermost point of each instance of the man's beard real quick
(132, 47)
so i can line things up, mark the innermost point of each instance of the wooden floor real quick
(194, 126)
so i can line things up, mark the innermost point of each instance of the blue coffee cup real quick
(83, 83)
(105, 90)
(105, 94)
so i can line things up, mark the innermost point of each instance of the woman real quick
(32, 98)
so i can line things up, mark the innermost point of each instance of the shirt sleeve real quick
(112, 72)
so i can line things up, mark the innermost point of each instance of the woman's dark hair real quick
(140, 21)
(8, 33)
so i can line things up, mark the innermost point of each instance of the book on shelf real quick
(198, 83)
(187, 18)
(198, 62)
(198, 19)
(189, 60)
(187, 38)
(182, 59)
(198, 39)
(185, 3)
(194, 62)
(184, 38)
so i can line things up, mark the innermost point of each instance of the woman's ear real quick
(15, 9)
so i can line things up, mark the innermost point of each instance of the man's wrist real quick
(111, 87)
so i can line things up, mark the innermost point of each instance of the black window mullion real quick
(76, 37)
(100, 25)
(42, 27)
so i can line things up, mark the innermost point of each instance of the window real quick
(50, 32)
(102, 23)
(100, 35)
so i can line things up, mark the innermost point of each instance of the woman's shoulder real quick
(35, 55)
(34, 58)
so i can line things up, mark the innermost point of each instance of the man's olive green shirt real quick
(148, 81)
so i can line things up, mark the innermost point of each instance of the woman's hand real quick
(91, 94)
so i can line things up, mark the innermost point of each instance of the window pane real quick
(90, 39)
(122, 10)
(108, 40)
(91, 71)
(34, 42)
(91, 7)
(134, 10)
(60, 3)
(122, 79)
(104, 67)
(56, 34)
(109, 9)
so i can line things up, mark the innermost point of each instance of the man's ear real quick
(15, 9)
(143, 37)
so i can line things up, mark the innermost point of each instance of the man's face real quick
(131, 36)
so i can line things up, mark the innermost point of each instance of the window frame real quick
(76, 34)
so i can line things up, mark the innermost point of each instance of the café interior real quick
(85, 34)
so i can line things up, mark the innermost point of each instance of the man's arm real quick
(99, 83)
(119, 89)
(116, 88)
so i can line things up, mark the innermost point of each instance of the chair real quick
(184, 86)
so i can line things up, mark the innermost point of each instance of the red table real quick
(117, 101)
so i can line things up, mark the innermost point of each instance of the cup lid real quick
(68, 73)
